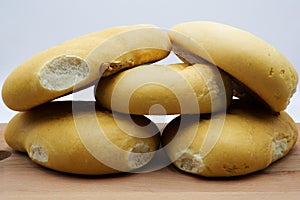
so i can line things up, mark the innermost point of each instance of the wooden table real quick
(22, 179)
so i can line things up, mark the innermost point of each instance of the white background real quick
(30, 26)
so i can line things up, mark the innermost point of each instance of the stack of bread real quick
(214, 135)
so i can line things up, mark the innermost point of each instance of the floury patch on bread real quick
(75, 64)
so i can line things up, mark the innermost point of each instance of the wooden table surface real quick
(22, 179)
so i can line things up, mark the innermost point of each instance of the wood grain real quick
(20, 178)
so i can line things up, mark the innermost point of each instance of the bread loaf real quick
(79, 138)
(166, 89)
(246, 139)
(75, 64)
(250, 60)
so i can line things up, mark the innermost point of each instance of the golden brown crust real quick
(165, 89)
(249, 59)
(251, 138)
(66, 136)
(48, 75)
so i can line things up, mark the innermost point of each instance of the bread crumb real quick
(190, 162)
(38, 153)
(139, 155)
(279, 148)
(63, 72)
